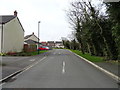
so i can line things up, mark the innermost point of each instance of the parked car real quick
(43, 48)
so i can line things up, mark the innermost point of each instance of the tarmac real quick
(19, 63)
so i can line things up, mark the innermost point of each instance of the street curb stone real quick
(19, 71)
(117, 78)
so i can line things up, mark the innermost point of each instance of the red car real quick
(43, 48)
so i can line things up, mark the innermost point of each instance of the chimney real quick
(33, 33)
(15, 13)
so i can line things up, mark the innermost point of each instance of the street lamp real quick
(38, 34)
(2, 38)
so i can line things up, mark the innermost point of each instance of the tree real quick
(113, 11)
(94, 31)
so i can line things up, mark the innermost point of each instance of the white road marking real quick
(59, 53)
(33, 65)
(25, 69)
(63, 69)
(1, 85)
(32, 60)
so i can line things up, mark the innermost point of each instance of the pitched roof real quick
(31, 42)
(6, 18)
(50, 41)
(43, 42)
(26, 37)
(58, 42)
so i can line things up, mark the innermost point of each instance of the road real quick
(61, 69)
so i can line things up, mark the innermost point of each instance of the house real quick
(31, 39)
(31, 43)
(59, 44)
(11, 34)
(44, 43)
(51, 44)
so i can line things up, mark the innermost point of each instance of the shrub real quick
(2, 54)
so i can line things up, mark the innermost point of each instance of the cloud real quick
(51, 13)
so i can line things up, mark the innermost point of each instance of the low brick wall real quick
(30, 48)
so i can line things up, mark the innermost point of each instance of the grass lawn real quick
(88, 56)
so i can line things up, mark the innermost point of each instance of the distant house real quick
(59, 44)
(51, 44)
(31, 39)
(11, 34)
(44, 43)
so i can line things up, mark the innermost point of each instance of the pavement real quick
(60, 69)
(111, 67)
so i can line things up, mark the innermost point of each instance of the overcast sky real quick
(51, 13)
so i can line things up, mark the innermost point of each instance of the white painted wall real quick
(33, 37)
(59, 45)
(13, 36)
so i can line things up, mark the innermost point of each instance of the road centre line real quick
(63, 68)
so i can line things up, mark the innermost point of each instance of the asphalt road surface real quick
(61, 69)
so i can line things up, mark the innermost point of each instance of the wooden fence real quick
(30, 48)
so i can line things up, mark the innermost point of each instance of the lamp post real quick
(2, 38)
(38, 34)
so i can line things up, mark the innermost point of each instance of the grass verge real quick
(88, 56)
